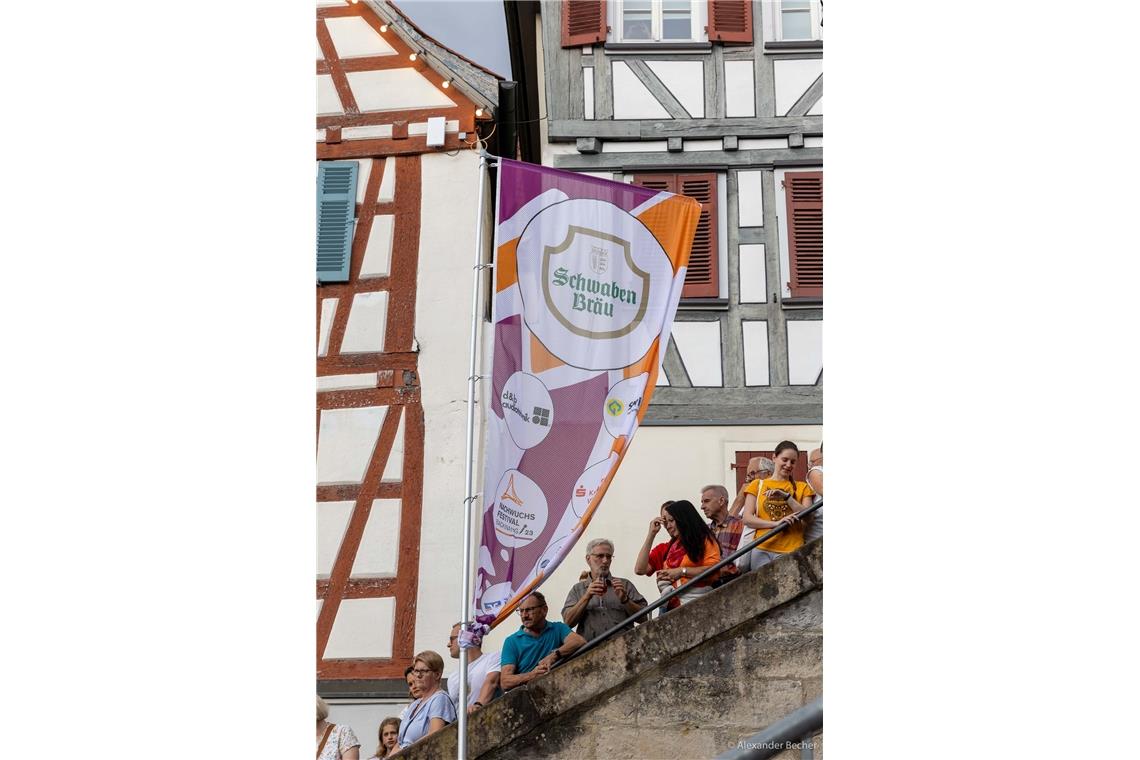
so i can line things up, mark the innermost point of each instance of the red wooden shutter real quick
(730, 21)
(583, 22)
(804, 194)
(702, 279)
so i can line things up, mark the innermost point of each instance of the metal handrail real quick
(801, 724)
(664, 598)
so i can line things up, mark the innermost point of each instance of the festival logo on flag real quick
(588, 274)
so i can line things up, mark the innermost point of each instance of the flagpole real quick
(469, 496)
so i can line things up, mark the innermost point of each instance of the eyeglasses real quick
(603, 556)
(421, 673)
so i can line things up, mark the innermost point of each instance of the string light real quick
(383, 27)
(446, 83)
(412, 57)
(478, 111)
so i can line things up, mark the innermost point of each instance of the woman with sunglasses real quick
(433, 709)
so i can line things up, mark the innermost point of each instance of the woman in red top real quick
(692, 548)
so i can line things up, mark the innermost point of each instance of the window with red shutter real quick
(583, 22)
(730, 21)
(803, 192)
(702, 279)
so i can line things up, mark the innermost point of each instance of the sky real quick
(475, 28)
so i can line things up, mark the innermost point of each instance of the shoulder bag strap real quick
(328, 731)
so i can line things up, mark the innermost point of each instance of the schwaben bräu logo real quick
(587, 293)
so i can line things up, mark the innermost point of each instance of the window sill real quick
(802, 302)
(619, 48)
(793, 46)
(703, 304)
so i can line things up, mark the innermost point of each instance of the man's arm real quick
(509, 680)
(815, 480)
(487, 693)
(738, 503)
(573, 611)
(631, 600)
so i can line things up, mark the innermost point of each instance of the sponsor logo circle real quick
(622, 405)
(520, 511)
(527, 409)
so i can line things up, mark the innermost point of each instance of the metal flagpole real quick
(469, 499)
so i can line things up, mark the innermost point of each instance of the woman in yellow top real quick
(777, 500)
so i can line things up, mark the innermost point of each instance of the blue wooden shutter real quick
(336, 214)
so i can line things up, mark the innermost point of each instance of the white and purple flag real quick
(588, 274)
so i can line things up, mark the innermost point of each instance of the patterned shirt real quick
(728, 535)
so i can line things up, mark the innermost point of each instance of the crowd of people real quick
(770, 497)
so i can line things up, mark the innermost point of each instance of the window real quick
(657, 21)
(702, 279)
(798, 20)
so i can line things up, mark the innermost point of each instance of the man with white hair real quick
(758, 469)
(601, 601)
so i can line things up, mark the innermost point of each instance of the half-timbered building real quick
(397, 158)
(721, 100)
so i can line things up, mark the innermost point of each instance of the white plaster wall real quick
(763, 143)
(793, 77)
(354, 38)
(663, 463)
(357, 381)
(371, 132)
(328, 102)
(588, 92)
(380, 543)
(750, 198)
(364, 169)
(813, 142)
(332, 520)
(328, 312)
(632, 100)
(448, 207)
(817, 109)
(699, 346)
(363, 628)
(782, 222)
(695, 145)
(346, 439)
(805, 351)
(753, 276)
(648, 146)
(395, 89)
(367, 320)
(378, 250)
(394, 467)
(739, 88)
(387, 192)
(755, 352)
(686, 80)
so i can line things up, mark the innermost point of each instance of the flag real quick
(588, 274)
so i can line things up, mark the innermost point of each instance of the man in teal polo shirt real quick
(536, 646)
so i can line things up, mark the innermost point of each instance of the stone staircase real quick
(689, 685)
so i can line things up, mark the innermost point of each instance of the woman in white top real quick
(334, 742)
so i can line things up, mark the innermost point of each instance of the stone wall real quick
(691, 685)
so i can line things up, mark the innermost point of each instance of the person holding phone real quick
(600, 601)
(774, 501)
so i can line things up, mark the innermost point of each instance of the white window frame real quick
(814, 12)
(698, 10)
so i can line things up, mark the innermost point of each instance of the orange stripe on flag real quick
(647, 363)
(506, 269)
(673, 222)
(541, 359)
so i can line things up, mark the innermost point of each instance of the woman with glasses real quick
(433, 709)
